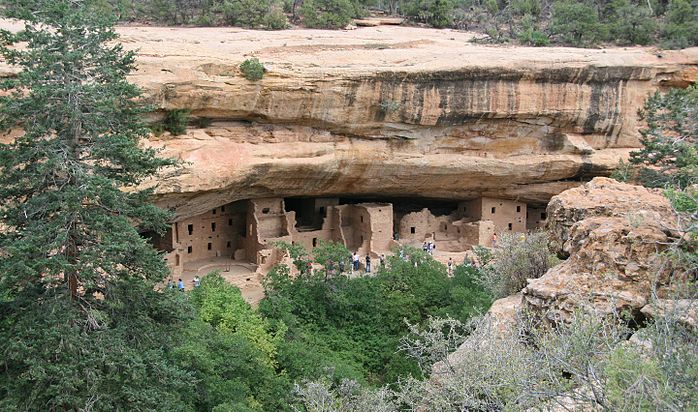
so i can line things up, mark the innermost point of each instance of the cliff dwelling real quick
(238, 238)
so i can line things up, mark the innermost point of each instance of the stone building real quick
(246, 231)
(507, 215)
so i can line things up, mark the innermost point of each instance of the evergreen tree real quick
(670, 140)
(631, 23)
(82, 325)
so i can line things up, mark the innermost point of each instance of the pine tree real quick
(670, 140)
(82, 326)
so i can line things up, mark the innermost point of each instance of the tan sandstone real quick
(390, 111)
(612, 233)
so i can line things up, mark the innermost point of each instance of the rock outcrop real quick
(390, 111)
(612, 233)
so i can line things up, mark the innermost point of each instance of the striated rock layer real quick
(391, 111)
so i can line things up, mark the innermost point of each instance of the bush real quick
(576, 24)
(253, 13)
(275, 19)
(530, 35)
(245, 13)
(327, 14)
(176, 121)
(631, 24)
(516, 258)
(438, 13)
(252, 69)
(681, 29)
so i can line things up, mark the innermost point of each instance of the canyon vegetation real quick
(596, 312)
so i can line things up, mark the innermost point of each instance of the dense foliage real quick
(354, 324)
(231, 352)
(668, 23)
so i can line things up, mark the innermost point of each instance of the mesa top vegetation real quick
(587, 23)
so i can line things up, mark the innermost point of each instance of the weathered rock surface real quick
(390, 111)
(612, 232)
(684, 310)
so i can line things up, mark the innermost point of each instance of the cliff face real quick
(391, 111)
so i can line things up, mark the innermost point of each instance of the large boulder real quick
(612, 233)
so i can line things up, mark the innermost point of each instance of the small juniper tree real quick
(82, 327)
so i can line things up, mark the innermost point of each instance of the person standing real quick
(382, 261)
(196, 281)
(355, 260)
(450, 266)
(368, 264)
(180, 285)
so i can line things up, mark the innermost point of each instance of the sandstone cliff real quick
(391, 111)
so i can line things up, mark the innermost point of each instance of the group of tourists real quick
(180, 283)
(356, 262)
(428, 247)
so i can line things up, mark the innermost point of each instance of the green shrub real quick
(327, 14)
(252, 69)
(275, 19)
(631, 24)
(576, 24)
(530, 35)
(681, 28)
(245, 13)
(176, 121)
(437, 13)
